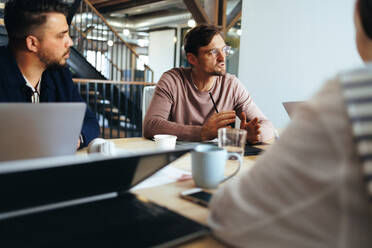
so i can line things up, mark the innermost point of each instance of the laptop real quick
(84, 201)
(39, 130)
(249, 150)
(291, 107)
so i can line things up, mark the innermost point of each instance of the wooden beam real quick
(197, 11)
(222, 4)
(116, 5)
(234, 16)
(97, 1)
(101, 4)
(211, 8)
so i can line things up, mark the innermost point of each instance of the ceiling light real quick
(126, 32)
(110, 43)
(191, 23)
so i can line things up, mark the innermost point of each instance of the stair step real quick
(91, 92)
(114, 110)
(122, 118)
(103, 101)
(115, 133)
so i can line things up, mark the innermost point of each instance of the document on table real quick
(166, 175)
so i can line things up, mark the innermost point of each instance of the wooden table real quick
(168, 195)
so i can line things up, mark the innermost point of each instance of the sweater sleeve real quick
(158, 114)
(245, 103)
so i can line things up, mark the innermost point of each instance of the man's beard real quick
(219, 73)
(53, 62)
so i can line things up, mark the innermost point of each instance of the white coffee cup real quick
(208, 165)
(99, 145)
(165, 141)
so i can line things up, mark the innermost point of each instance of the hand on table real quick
(216, 121)
(252, 127)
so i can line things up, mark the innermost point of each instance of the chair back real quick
(148, 93)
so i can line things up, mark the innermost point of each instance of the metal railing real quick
(119, 117)
(104, 48)
(117, 100)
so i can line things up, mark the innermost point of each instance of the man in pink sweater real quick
(183, 103)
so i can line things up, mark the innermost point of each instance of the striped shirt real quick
(357, 91)
(306, 190)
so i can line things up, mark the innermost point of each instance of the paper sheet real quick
(166, 175)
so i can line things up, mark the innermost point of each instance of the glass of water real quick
(232, 140)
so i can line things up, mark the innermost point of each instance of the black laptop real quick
(84, 202)
(249, 150)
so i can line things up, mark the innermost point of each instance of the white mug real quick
(208, 165)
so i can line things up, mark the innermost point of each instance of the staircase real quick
(108, 72)
(116, 93)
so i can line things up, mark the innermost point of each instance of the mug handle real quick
(232, 155)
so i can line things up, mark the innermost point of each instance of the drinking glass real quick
(232, 140)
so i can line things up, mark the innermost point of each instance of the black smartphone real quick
(197, 196)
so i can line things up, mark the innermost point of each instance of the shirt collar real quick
(35, 98)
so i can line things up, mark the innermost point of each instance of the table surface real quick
(168, 195)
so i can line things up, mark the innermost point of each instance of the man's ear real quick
(32, 43)
(192, 59)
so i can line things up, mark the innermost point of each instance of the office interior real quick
(300, 43)
(283, 50)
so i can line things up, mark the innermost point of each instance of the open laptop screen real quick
(291, 107)
(39, 130)
(30, 183)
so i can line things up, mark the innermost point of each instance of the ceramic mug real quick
(208, 165)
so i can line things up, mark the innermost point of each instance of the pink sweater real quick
(179, 108)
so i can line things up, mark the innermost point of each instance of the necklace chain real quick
(196, 87)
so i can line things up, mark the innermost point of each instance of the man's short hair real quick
(365, 12)
(199, 36)
(21, 17)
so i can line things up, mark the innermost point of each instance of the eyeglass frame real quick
(215, 51)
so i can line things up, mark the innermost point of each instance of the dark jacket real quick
(56, 86)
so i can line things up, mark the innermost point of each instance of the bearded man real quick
(193, 103)
(33, 64)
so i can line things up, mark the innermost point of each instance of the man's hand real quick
(78, 144)
(216, 121)
(252, 127)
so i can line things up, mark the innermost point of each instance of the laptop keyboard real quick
(252, 151)
(123, 221)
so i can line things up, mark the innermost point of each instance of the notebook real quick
(84, 202)
(291, 107)
(39, 130)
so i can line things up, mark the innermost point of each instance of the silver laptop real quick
(291, 107)
(39, 130)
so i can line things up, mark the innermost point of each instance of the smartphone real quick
(197, 196)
